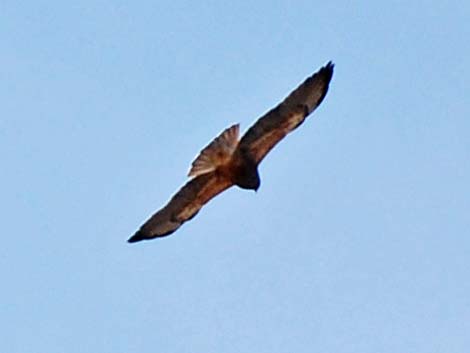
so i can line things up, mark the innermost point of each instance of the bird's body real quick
(228, 161)
(243, 171)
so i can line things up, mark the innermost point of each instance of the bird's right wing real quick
(288, 115)
(183, 206)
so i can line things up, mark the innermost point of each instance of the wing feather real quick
(288, 115)
(183, 206)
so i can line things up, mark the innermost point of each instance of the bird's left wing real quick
(278, 122)
(183, 206)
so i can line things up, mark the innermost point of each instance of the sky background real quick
(358, 239)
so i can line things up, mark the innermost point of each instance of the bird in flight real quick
(229, 161)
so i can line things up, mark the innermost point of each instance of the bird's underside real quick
(229, 161)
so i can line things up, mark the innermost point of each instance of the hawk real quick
(229, 161)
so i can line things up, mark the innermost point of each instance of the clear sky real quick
(358, 239)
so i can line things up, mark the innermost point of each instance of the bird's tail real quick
(217, 153)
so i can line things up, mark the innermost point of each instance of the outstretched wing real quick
(278, 122)
(183, 206)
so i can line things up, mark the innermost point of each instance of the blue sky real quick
(358, 239)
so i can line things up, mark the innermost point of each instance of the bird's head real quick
(249, 181)
(256, 183)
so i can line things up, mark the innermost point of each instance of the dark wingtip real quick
(327, 70)
(138, 236)
(326, 73)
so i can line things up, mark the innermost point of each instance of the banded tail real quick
(217, 153)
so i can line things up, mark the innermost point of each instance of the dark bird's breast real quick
(242, 171)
